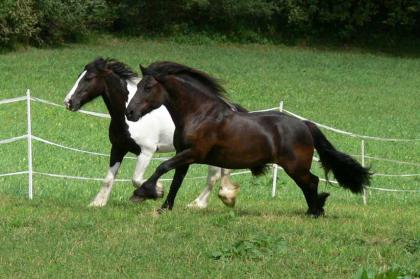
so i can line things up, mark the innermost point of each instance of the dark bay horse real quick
(208, 131)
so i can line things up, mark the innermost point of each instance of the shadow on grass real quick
(265, 213)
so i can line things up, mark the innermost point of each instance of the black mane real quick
(120, 69)
(163, 68)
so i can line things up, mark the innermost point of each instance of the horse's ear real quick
(100, 64)
(142, 69)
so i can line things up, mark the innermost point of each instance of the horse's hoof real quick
(161, 210)
(315, 213)
(228, 198)
(96, 204)
(137, 199)
(229, 202)
(146, 191)
(196, 204)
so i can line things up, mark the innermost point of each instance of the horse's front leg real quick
(214, 174)
(148, 189)
(179, 176)
(228, 189)
(143, 161)
(102, 197)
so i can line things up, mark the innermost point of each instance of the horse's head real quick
(150, 95)
(88, 86)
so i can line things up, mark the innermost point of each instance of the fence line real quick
(13, 100)
(397, 175)
(88, 152)
(338, 131)
(31, 137)
(187, 178)
(13, 173)
(392, 161)
(373, 188)
(97, 114)
(119, 179)
(4, 141)
(13, 139)
(392, 190)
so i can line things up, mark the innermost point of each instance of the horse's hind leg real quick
(308, 183)
(228, 189)
(203, 199)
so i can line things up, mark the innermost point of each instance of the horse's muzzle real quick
(71, 105)
(67, 103)
(132, 115)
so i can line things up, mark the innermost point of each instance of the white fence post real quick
(28, 106)
(273, 190)
(275, 167)
(365, 193)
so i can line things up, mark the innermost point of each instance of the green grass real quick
(56, 235)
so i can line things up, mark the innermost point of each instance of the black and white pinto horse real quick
(117, 83)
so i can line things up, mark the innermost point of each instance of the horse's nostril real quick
(67, 103)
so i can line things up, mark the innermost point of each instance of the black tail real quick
(348, 172)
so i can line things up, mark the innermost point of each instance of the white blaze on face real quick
(73, 89)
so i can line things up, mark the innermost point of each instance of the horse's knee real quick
(213, 175)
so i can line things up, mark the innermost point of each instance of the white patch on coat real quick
(154, 131)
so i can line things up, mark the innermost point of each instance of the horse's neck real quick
(117, 97)
(184, 105)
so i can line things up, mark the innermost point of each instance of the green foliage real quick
(342, 19)
(69, 20)
(347, 19)
(18, 22)
(52, 22)
(395, 272)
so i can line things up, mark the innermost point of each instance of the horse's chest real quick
(119, 135)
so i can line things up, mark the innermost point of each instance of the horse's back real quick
(281, 131)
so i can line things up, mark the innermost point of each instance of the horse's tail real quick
(348, 172)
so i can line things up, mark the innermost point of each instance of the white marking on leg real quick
(143, 161)
(228, 189)
(203, 199)
(73, 89)
(102, 197)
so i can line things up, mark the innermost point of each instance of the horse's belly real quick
(162, 148)
(237, 158)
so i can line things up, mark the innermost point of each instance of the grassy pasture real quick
(56, 235)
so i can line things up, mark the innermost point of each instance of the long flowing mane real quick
(120, 69)
(164, 68)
